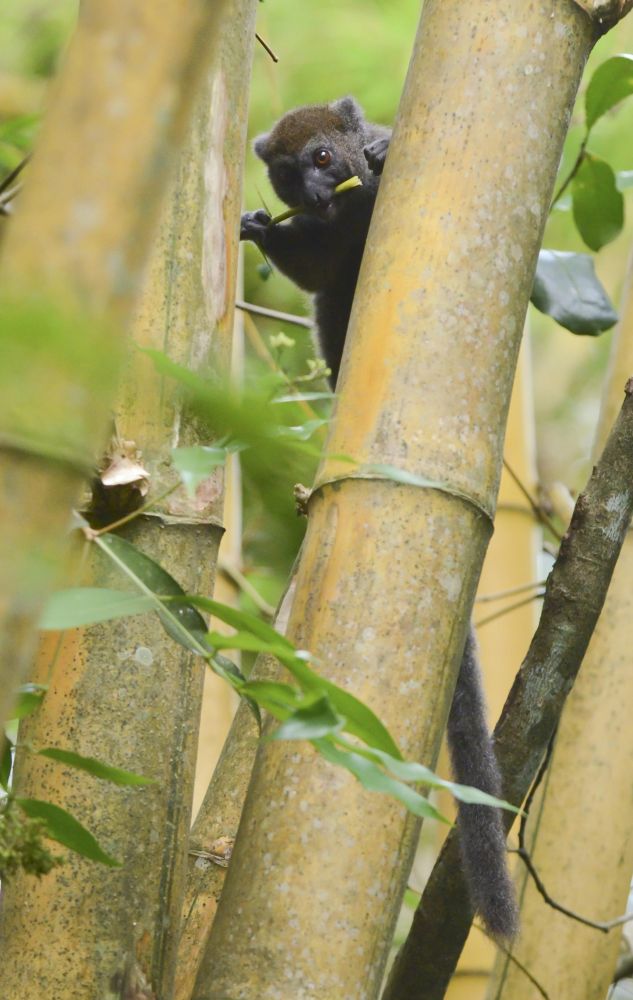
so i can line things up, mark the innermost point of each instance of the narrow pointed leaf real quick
(28, 700)
(611, 82)
(598, 206)
(6, 759)
(310, 722)
(80, 606)
(243, 621)
(66, 830)
(374, 779)
(96, 767)
(181, 621)
(274, 697)
(245, 641)
(567, 288)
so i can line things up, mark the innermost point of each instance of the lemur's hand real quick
(253, 225)
(376, 154)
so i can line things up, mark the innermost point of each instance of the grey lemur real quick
(308, 153)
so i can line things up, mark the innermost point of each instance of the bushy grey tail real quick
(481, 831)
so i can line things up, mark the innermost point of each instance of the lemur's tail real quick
(481, 830)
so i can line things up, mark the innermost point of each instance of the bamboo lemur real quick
(308, 153)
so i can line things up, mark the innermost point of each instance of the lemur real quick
(308, 152)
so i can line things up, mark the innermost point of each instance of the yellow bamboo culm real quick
(124, 691)
(579, 835)
(388, 571)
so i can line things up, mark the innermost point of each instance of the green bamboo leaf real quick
(419, 774)
(275, 697)
(28, 700)
(96, 767)
(374, 779)
(359, 719)
(6, 759)
(611, 82)
(182, 622)
(66, 830)
(567, 288)
(598, 206)
(298, 397)
(243, 621)
(302, 432)
(80, 606)
(245, 641)
(310, 722)
(196, 464)
(399, 475)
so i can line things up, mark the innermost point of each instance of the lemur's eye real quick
(322, 158)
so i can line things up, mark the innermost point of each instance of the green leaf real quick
(359, 719)
(275, 697)
(374, 779)
(227, 670)
(28, 700)
(567, 288)
(399, 475)
(182, 622)
(597, 204)
(302, 432)
(6, 759)
(245, 641)
(311, 722)
(419, 774)
(243, 621)
(611, 83)
(81, 606)
(194, 465)
(66, 830)
(95, 767)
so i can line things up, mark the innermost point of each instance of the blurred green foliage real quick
(326, 50)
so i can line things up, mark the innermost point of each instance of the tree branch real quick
(575, 592)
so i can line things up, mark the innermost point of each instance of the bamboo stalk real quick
(124, 691)
(73, 254)
(584, 861)
(388, 571)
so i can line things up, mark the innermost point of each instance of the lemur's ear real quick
(260, 145)
(350, 112)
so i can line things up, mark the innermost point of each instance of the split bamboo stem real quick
(77, 246)
(580, 843)
(124, 692)
(388, 571)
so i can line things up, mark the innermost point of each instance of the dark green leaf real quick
(597, 204)
(611, 82)
(6, 759)
(95, 767)
(66, 830)
(81, 606)
(182, 622)
(374, 779)
(28, 700)
(311, 722)
(194, 465)
(567, 288)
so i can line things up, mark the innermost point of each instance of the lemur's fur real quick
(308, 153)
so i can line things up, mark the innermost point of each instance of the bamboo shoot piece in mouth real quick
(351, 182)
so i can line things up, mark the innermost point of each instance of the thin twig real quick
(8, 180)
(515, 961)
(266, 47)
(510, 607)
(246, 587)
(572, 173)
(539, 513)
(283, 317)
(600, 925)
(510, 592)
